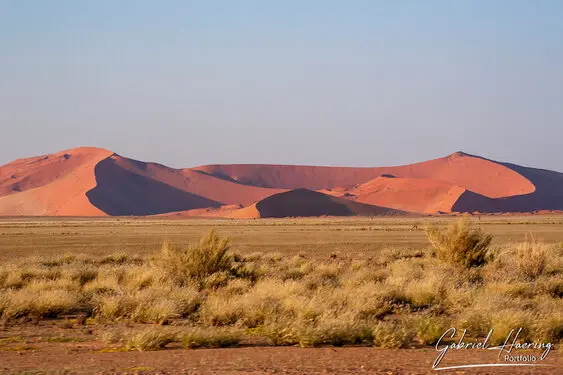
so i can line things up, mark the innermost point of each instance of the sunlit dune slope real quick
(51, 185)
(407, 194)
(476, 174)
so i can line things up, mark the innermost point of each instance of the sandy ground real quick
(86, 359)
(51, 347)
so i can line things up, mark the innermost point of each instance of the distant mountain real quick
(90, 181)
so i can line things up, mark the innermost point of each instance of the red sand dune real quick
(130, 187)
(51, 185)
(91, 182)
(293, 203)
(306, 203)
(231, 211)
(408, 194)
(479, 175)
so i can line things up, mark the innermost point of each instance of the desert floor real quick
(60, 346)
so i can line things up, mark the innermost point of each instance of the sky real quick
(314, 82)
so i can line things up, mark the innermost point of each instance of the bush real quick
(116, 258)
(210, 338)
(550, 328)
(279, 332)
(426, 292)
(337, 331)
(477, 321)
(114, 307)
(160, 305)
(83, 275)
(46, 303)
(430, 328)
(197, 262)
(392, 335)
(153, 338)
(504, 321)
(460, 244)
(531, 258)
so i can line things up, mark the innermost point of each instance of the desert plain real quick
(295, 295)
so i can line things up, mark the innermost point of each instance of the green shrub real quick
(460, 244)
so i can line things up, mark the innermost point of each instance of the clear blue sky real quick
(359, 83)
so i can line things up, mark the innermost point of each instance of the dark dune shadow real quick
(301, 202)
(120, 192)
(306, 203)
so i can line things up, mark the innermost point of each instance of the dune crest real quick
(476, 174)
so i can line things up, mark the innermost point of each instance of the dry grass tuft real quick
(392, 334)
(429, 329)
(209, 338)
(197, 262)
(41, 303)
(531, 258)
(460, 243)
(152, 338)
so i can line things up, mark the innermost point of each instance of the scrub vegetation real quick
(206, 294)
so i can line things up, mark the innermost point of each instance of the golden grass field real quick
(124, 285)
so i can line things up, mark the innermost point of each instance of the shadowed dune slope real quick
(476, 174)
(195, 182)
(304, 203)
(407, 194)
(548, 195)
(131, 187)
(122, 192)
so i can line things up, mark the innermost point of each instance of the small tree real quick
(460, 243)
